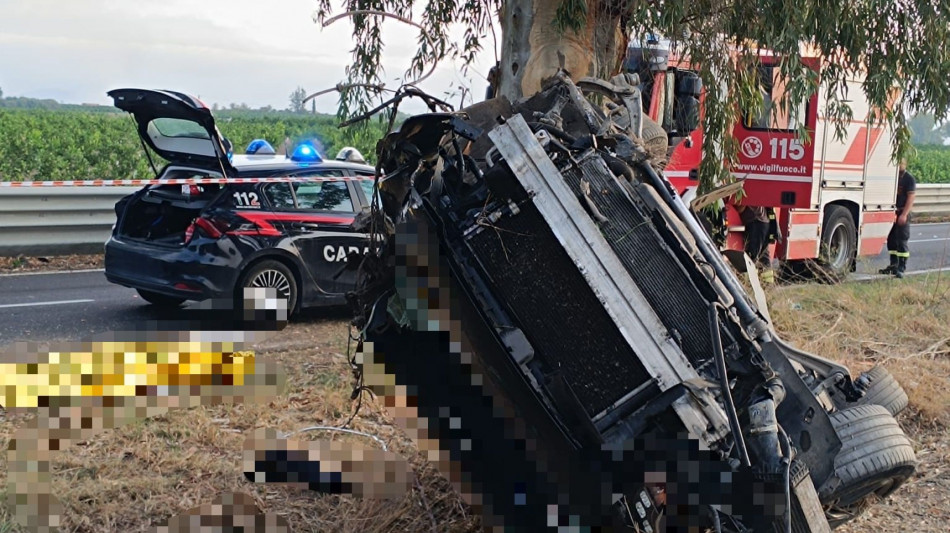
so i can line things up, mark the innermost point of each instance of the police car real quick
(215, 223)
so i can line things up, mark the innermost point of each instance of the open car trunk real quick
(161, 214)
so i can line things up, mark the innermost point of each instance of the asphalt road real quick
(929, 250)
(64, 306)
(76, 305)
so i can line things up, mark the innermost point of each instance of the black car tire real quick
(273, 274)
(875, 459)
(160, 300)
(839, 243)
(655, 142)
(883, 390)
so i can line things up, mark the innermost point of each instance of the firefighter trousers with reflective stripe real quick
(897, 240)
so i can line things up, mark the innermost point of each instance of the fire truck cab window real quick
(772, 115)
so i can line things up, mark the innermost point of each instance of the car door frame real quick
(316, 286)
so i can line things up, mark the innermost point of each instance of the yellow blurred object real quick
(122, 369)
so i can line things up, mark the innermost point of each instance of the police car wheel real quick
(273, 275)
(160, 300)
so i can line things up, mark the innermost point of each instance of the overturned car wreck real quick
(551, 323)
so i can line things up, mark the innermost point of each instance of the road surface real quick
(929, 250)
(75, 305)
(62, 306)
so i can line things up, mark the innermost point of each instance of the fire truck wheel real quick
(875, 459)
(839, 243)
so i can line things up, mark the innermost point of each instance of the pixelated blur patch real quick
(264, 304)
(228, 513)
(333, 467)
(80, 389)
(33, 376)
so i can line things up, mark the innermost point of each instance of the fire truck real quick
(833, 199)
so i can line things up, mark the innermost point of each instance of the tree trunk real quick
(533, 49)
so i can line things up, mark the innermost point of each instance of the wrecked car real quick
(552, 324)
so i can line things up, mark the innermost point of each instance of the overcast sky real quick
(241, 51)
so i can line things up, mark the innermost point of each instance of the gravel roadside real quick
(12, 265)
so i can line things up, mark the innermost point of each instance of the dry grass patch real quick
(905, 326)
(901, 324)
(128, 479)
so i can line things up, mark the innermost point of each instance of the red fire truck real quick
(833, 199)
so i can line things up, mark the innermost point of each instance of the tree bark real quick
(533, 49)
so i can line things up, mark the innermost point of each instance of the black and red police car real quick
(285, 228)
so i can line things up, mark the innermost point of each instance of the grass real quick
(146, 472)
(901, 324)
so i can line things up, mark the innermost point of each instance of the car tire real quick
(655, 142)
(160, 300)
(882, 389)
(271, 274)
(875, 459)
(839, 243)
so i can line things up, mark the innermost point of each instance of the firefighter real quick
(900, 231)
(760, 231)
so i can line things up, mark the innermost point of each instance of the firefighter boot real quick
(901, 267)
(891, 268)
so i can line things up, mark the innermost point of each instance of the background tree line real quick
(71, 144)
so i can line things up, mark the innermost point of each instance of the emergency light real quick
(306, 153)
(260, 147)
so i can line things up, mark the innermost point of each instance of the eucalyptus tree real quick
(898, 47)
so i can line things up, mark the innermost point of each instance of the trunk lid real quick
(177, 127)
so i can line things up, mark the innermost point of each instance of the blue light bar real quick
(260, 147)
(306, 153)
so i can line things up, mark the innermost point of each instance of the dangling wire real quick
(358, 387)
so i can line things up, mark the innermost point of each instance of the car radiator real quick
(559, 313)
(645, 255)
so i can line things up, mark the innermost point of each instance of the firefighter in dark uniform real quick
(760, 231)
(900, 231)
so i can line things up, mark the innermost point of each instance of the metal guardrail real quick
(56, 221)
(67, 220)
(932, 198)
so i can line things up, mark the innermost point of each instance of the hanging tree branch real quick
(897, 47)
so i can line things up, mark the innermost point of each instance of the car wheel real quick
(274, 275)
(882, 389)
(839, 243)
(655, 142)
(875, 459)
(160, 300)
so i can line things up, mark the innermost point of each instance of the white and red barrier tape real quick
(173, 181)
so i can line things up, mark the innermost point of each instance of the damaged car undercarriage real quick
(549, 320)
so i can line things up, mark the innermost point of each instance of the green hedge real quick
(74, 145)
(931, 164)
